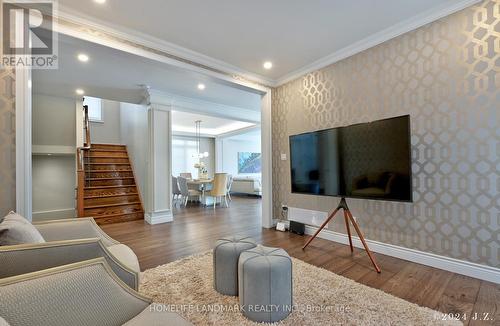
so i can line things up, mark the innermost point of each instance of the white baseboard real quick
(482, 272)
(159, 217)
(54, 214)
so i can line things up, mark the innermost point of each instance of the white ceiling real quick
(184, 123)
(243, 34)
(116, 75)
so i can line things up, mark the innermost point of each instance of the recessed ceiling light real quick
(80, 91)
(201, 86)
(100, 1)
(83, 57)
(268, 65)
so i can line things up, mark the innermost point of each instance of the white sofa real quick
(246, 185)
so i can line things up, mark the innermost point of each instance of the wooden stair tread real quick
(109, 171)
(113, 195)
(107, 187)
(118, 214)
(113, 205)
(101, 163)
(109, 178)
(108, 150)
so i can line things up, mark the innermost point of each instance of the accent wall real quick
(446, 75)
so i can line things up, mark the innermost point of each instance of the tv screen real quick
(368, 160)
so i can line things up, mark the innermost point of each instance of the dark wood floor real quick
(195, 229)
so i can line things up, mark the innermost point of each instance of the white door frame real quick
(24, 171)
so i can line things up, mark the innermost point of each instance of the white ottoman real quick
(226, 254)
(265, 284)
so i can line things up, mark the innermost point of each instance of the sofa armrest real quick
(71, 229)
(84, 293)
(27, 258)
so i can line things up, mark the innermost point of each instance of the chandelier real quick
(199, 154)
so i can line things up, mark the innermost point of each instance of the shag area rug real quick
(320, 297)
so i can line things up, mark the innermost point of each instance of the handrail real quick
(80, 192)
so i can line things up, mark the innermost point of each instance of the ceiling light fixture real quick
(80, 91)
(83, 57)
(201, 87)
(100, 1)
(268, 65)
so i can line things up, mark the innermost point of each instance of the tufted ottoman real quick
(226, 254)
(265, 284)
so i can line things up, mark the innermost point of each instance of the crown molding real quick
(380, 37)
(221, 67)
(133, 36)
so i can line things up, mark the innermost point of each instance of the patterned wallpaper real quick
(7, 141)
(446, 75)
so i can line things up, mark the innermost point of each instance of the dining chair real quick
(229, 184)
(219, 188)
(176, 193)
(185, 191)
(186, 175)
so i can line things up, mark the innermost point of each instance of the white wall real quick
(230, 147)
(53, 121)
(54, 125)
(134, 133)
(53, 187)
(108, 131)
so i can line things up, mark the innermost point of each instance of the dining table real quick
(201, 184)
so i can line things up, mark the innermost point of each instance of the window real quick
(95, 108)
(183, 160)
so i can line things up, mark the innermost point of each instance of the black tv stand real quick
(347, 217)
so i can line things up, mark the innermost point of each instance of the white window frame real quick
(94, 101)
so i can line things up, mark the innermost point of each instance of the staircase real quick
(110, 193)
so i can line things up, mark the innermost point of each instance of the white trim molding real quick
(385, 35)
(482, 272)
(54, 214)
(159, 217)
(23, 143)
(192, 105)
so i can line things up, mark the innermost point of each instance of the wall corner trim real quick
(482, 272)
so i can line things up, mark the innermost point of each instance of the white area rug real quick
(320, 298)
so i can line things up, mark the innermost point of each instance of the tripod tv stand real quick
(347, 217)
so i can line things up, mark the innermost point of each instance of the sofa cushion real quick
(151, 317)
(126, 256)
(15, 229)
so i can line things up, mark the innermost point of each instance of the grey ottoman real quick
(265, 284)
(226, 254)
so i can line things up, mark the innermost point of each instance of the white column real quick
(158, 201)
(267, 162)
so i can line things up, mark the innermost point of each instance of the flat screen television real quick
(367, 160)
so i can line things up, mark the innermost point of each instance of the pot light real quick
(83, 57)
(201, 87)
(268, 65)
(80, 91)
(100, 1)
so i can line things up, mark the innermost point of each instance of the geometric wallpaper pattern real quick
(446, 75)
(7, 141)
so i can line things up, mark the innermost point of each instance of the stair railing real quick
(80, 158)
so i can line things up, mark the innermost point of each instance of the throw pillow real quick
(15, 229)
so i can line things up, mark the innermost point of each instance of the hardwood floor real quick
(195, 229)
